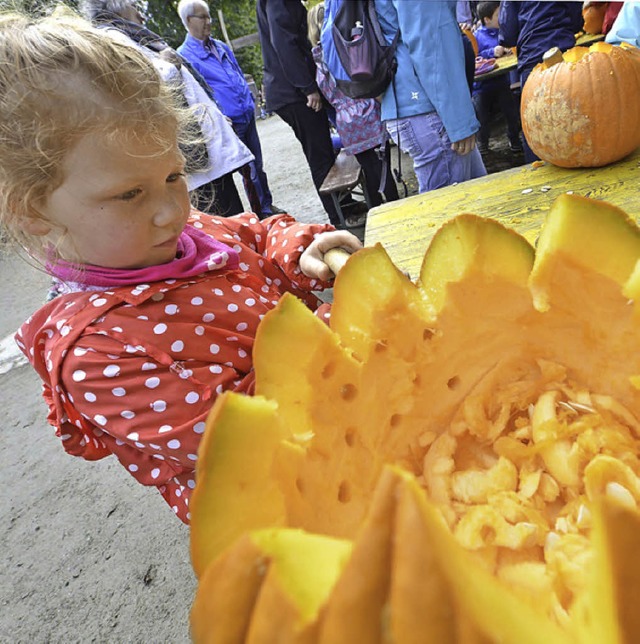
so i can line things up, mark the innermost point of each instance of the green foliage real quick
(239, 19)
(162, 17)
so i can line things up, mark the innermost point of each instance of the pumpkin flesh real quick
(501, 385)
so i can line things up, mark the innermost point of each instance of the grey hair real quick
(186, 7)
(90, 9)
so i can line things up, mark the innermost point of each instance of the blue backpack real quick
(355, 49)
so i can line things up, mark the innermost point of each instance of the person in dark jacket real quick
(290, 87)
(494, 92)
(536, 27)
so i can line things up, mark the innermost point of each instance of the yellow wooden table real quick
(505, 64)
(519, 198)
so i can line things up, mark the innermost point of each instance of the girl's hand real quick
(311, 261)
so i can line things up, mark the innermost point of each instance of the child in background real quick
(358, 121)
(534, 28)
(161, 303)
(494, 91)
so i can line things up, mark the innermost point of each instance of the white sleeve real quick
(226, 151)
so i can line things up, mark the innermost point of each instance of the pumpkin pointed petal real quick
(422, 605)
(363, 322)
(614, 586)
(355, 611)
(303, 569)
(234, 491)
(583, 232)
(480, 594)
(226, 595)
(470, 243)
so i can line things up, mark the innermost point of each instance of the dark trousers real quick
(529, 155)
(257, 179)
(312, 130)
(486, 99)
(372, 167)
(218, 197)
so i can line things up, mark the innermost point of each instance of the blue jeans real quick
(248, 134)
(436, 165)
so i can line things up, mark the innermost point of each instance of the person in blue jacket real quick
(536, 27)
(218, 66)
(494, 91)
(427, 108)
(626, 27)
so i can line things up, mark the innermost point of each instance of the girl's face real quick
(120, 206)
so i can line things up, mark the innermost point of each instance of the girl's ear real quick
(35, 224)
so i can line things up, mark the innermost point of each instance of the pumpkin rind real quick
(584, 111)
(269, 586)
(501, 392)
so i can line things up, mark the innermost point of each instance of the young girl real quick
(358, 121)
(161, 303)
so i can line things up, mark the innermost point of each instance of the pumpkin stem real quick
(552, 57)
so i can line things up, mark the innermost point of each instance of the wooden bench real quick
(345, 177)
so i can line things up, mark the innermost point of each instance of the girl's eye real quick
(130, 194)
(175, 176)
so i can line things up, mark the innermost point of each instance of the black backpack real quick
(368, 60)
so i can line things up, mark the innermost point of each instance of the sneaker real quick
(516, 146)
(275, 210)
(355, 208)
(355, 221)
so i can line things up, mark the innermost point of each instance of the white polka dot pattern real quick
(141, 377)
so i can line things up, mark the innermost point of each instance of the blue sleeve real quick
(509, 27)
(232, 56)
(486, 43)
(329, 52)
(439, 62)
(626, 27)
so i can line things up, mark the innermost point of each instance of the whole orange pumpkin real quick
(582, 109)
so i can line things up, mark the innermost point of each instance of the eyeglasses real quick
(203, 18)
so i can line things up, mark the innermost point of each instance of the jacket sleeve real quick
(439, 62)
(149, 413)
(509, 27)
(283, 33)
(280, 239)
(486, 44)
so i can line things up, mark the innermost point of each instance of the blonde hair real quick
(315, 18)
(61, 79)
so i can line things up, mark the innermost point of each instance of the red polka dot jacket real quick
(133, 371)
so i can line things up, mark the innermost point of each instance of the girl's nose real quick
(168, 212)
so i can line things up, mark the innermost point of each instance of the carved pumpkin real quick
(582, 108)
(456, 460)
(593, 16)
